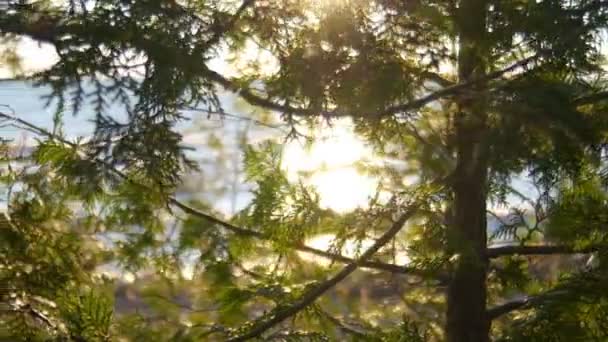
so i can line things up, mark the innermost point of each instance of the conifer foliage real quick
(466, 97)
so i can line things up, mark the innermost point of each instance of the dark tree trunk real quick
(466, 295)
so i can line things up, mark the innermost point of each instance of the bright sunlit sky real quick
(340, 185)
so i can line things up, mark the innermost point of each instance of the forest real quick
(303, 170)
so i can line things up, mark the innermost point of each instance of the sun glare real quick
(330, 167)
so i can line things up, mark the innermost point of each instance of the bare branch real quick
(521, 304)
(176, 303)
(222, 114)
(590, 99)
(258, 100)
(495, 252)
(497, 311)
(12, 79)
(317, 291)
(440, 80)
(392, 268)
(341, 325)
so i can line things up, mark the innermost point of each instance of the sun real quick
(330, 164)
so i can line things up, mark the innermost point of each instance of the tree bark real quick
(466, 319)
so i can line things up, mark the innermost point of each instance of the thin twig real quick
(496, 252)
(340, 324)
(255, 99)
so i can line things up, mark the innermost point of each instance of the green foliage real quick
(41, 270)
(512, 275)
(197, 232)
(573, 311)
(580, 213)
(9, 56)
(406, 331)
(80, 176)
(288, 212)
(76, 208)
(87, 316)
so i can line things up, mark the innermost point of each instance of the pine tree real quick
(468, 95)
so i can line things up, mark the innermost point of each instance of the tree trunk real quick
(466, 295)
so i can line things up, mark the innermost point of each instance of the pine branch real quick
(341, 325)
(449, 89)
(244, 232)
(392, 268)
(48, 27)
(29, 310)
(585, 287)
(508, 307)
(316, 292)
(590, 99)
(522, 304)
(440, 80)
(225, 28)
(496, 252)
(257, 100)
